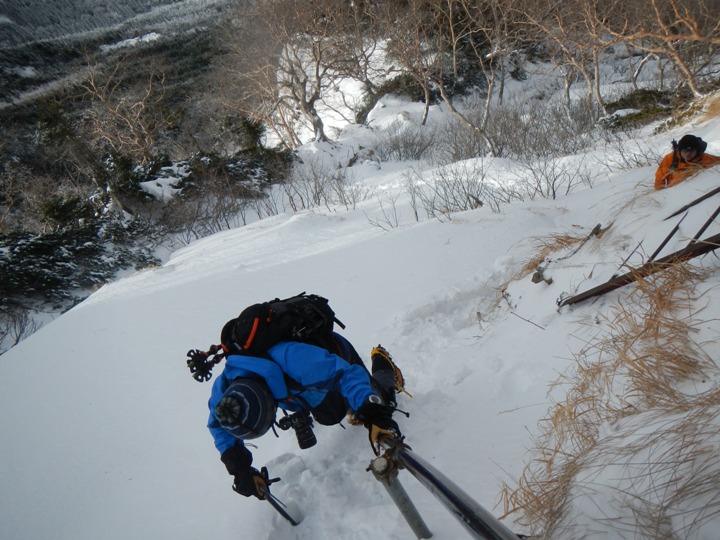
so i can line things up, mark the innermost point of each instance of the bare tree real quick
(286, 57)
(356, 46)
(492, 32)
(489, 31)
(412, 42)
(125, 118)
(433, 39)
(12, 178)
(572, 31)
(687, 32)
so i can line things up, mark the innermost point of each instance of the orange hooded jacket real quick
(667, 175)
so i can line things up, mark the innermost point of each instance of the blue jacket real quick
(317, 371)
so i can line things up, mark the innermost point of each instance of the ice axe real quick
(276, 503)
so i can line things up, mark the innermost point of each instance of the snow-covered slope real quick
(103, 429)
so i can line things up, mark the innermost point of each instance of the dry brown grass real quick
(546, 246)
(636, 367)
(712, 109)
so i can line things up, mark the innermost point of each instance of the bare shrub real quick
(543, 129)
(624, 151)
(16, 323)
(218, 204)
(455, 141)
(19, 189)
(188, 219)
(550, 177)
(454, 188)
(402, 142)
(390, 216)
(126, 119)
(271, 204)
(517, 130)
(314, 183)
(347, 191)
(309, 186)
(538, 136)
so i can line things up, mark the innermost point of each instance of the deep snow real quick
(103, 429)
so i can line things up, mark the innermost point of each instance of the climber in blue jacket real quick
(301, 380)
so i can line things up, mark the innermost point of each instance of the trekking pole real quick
(385, 471)
(478, 522)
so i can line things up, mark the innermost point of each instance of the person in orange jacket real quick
(687, 158)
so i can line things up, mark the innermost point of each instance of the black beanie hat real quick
(691, 142)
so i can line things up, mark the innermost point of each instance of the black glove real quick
(254, 483)
(377, 418)
(251, 483)
(237, 460)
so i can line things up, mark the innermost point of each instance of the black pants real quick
(334, 407)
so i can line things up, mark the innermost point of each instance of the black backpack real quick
(307, 318)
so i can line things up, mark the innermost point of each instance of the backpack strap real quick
(676, 156)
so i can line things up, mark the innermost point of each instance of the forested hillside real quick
(132, 128)
(22, 22)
